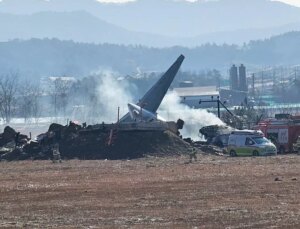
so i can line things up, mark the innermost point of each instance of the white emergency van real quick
(250, 143)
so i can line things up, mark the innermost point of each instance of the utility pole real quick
(253, 84)
(274, 77)
(218, 101)
(262, 82)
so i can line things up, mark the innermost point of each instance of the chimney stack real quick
(242, 79)
(234, 81)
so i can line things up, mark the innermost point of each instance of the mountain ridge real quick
(185, 19)
(82, 26)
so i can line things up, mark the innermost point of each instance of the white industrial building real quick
(191, 96)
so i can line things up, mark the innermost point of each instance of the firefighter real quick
(17, 139)
(193, 153)
(273, 140)
(56, 153)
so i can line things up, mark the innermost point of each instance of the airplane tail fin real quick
(153, 98)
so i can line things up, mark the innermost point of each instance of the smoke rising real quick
(113, 93)
(171, 109)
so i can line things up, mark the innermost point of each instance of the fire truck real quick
(283, 131)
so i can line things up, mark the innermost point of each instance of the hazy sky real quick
(292, 2)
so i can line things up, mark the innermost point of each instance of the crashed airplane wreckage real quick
(143, 115)
(140, 132)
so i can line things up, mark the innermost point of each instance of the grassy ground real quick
(214, 192)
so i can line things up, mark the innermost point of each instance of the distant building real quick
(186, 84)
(192, 95)
(233, 97)
(238, 92)
(238, 78)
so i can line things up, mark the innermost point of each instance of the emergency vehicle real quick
(250, 143)
(283, 131)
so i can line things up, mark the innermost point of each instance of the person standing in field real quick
(193, 155)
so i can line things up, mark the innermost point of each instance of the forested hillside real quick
(46, 57)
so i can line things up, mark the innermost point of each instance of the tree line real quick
(82, 99)
(61, 96)
(35, 58)
(24, 98)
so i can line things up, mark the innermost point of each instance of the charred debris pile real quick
(216, 139)
(101, 141)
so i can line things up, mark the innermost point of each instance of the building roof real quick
(197, 91)
(63, 78)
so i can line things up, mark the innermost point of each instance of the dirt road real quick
(214, 192)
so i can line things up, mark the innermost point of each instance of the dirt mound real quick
(124, 145)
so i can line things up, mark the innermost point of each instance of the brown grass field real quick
(214, 192)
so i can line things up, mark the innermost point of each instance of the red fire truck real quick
(283, 131)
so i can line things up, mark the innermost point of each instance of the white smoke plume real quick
(172, 110)
(113, 93)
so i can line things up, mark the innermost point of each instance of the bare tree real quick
(8, 91)
(60, 91)
(29, 102)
